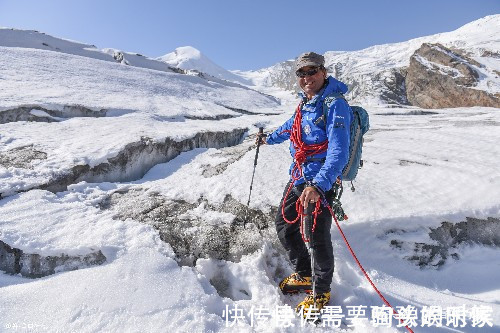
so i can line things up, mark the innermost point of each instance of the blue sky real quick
(242, 34)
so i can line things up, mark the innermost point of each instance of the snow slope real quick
(369, 71)
(421, 168)
(189, 58)
(142, 288)
(186, 58)
(39, 40)
(140, 102)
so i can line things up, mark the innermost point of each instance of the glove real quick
(260, 139)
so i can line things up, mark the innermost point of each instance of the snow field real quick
(420, 170)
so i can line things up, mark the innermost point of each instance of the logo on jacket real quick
(307, 129)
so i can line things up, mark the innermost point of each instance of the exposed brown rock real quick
(441, 78)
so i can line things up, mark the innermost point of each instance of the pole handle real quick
(261, 131)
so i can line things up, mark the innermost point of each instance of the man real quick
(318, 173)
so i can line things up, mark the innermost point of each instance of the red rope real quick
(363, 270)
(302, 152)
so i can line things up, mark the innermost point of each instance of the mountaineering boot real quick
(295, 283)
(322, 299)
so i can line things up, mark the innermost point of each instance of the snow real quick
(477, 37)
(444, 70)
(190, 58)
(388, 195)
(364, 65)
(39, 40)
(421, 168)
(142, 102)
(115, 86)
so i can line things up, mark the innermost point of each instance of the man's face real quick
(311, 84)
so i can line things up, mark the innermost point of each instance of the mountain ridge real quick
(376, 75)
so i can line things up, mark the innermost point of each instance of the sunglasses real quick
(310, 72)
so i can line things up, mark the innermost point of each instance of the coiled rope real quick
(302, 152)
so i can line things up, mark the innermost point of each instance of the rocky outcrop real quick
(447, 238)
(44, 114)
(387, 85)
(436, 77)
(182, 224)
(224, 230)
(282, 75)
(119, 57)
(21, 157)
(441, 78)
(394, 86)
(32, 265)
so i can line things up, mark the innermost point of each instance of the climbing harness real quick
(302, 152)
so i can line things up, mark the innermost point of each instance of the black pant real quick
(291, 239)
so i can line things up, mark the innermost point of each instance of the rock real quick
(39, 113)
(189, 233)
(9, 258)
(388, 85)
(393, 90)
(282, 75)
(33, 265)
(446, 239)
(472, 231)
(21, 157)
(439, 77)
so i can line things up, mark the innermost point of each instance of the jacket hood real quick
(333, 86)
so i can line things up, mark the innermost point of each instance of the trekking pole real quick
(308, 231)
(261, 131)
(308, 225)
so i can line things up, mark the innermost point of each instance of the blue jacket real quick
(322, 169)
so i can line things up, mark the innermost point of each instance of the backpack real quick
(360, 124)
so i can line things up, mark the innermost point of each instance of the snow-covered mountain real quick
(124, 193)
(182, 60)
(376, 75)
(189, 58)
(38, 40)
